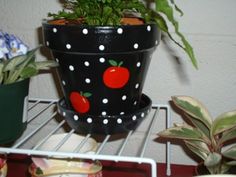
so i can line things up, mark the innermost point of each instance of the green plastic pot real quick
(13, 110)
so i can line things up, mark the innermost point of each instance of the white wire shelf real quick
(43, 118)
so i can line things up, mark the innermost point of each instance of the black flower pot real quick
(102, 69)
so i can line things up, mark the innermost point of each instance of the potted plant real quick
(104, 48)
(213, 140)
(17, 65)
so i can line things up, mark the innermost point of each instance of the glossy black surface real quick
(102, 69)
(105, 124)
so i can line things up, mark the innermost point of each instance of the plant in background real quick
(111, 12)
(16, 62)
(212, 140)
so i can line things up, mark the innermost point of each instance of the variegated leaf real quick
(224, 122)
(45, 64)
(212, 159)
(200, 126)
(14, 62)
(194, 108)
(197, 147)
(181, 132)
(230, 153)
(228, 135)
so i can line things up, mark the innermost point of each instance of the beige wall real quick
(209, 25)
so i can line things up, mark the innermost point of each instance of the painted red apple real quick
(116, 76)
(80, 102)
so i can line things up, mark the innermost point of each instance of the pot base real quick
(109, 124)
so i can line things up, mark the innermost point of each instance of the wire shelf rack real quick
(43, 117)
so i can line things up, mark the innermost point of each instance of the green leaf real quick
(41, 65)
(1, 73)
(230, 153)
(198, 147)
(28, 71)
(14, 62)
(194, 108)
(227, 135)
(164, 8)
(231, 163)
(224, 122)
(177, 8)
(87, 94)
(113, 63)
(183, 132)
(212, 159)
(200, 126)
(39, 171)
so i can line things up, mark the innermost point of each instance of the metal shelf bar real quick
(98, 155)
(34, 132)
(77, 149)
(63, 140)
(124, 143)
(152, 123)
(50, 134)
(40, 112)
(33, 105)
(103, 144)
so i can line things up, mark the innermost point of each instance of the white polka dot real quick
(64, 113)
(105, 100)
(134, 117)
(54, 30)
(138, 64)
(47, 43)
(101, 47)
(71, 68)
(119, 30)
(136, 46)
(124, 97)
(156, 42)
(87, 80)
(105, 121)
(86, 63)
(104, 113)
(137, 86)
(57, 60)
(85, 31)
(68, 46)
(119, 121)
(63, 82)
(142, 115)
(149, 28)
(122, 113)
(102, 60)
(135, 102)
(89, 120)
(76, 117)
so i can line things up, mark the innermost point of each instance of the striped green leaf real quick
(224, 122)
(193, 108)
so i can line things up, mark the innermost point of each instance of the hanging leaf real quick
(164, 8)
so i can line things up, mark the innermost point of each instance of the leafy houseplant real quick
(113, 13)
(17, 65)
(104, 48)
(212, 140)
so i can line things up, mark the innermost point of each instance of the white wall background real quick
(209, 25)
